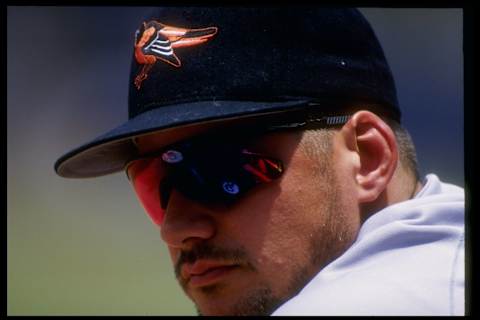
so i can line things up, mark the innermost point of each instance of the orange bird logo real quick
(157, 41)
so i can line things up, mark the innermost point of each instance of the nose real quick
(186, 222)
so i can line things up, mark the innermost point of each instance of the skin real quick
(281, 234)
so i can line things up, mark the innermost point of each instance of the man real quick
(266, 145)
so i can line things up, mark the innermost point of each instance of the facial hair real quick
(327, 241)
(259, 301)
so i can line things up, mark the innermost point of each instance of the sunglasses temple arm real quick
(325, 121)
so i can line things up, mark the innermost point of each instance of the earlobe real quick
(377, 153)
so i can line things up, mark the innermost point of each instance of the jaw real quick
(257, 301)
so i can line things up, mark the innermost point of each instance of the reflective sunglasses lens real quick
(145, 176)
(199, 178)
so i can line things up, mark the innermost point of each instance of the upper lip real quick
(202, 266)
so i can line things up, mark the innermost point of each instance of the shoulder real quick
(392, 284)
(407, 260)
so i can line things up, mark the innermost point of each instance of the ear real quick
(376, 147)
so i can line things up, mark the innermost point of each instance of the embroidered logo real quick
(157, 41)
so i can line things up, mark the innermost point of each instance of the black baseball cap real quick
(211, 64)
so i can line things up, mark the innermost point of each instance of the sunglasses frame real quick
(311, 121)
(322, 121)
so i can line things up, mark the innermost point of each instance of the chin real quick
(254, 302)
(214, 309)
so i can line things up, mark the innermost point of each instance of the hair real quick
(317, 144)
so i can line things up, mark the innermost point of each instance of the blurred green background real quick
(85, 247)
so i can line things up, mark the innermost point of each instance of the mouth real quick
(204, 273)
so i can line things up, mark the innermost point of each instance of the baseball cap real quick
(195, 65)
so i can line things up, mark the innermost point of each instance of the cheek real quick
(268, 224)
(305, 191)
(282, 219)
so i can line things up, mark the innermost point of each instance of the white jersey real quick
(408, 259)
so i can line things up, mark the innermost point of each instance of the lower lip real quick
(211, 276)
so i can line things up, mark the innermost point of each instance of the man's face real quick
(250, 257)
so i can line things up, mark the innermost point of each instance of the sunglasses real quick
(208, 170)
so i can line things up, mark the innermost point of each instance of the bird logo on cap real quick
(158, 41)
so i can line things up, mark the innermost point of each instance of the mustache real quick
(212, 252)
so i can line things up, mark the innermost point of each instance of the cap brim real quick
(110, 152)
